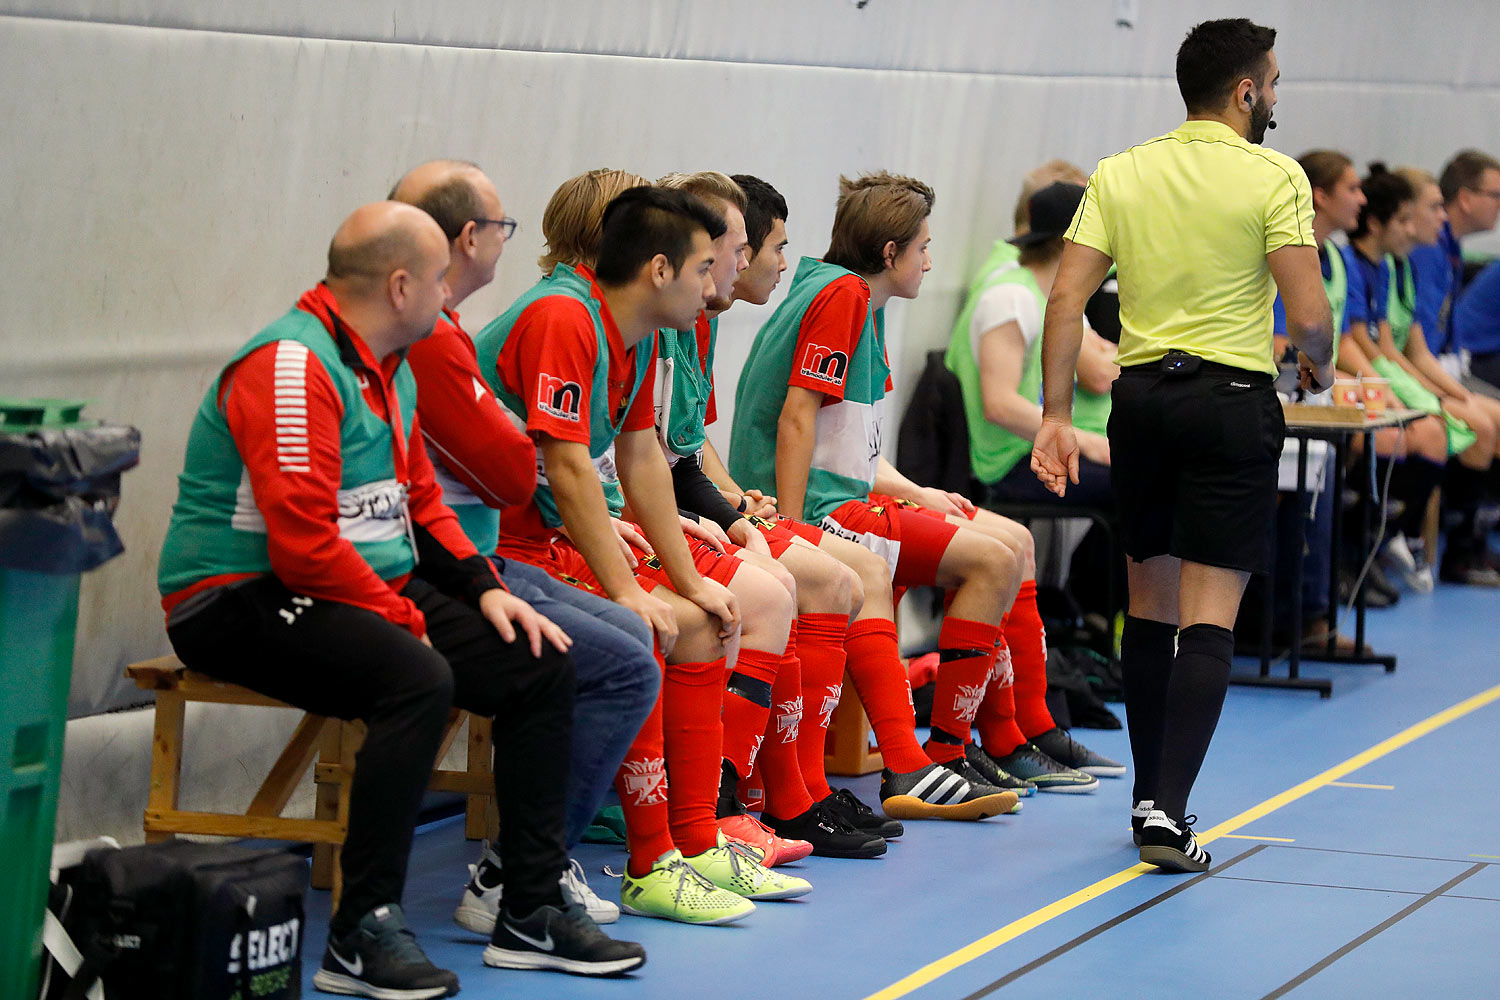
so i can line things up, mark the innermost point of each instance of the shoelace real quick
(579, 882)
(738, 851)
(824, 816)
(686, 874)
(860, 809)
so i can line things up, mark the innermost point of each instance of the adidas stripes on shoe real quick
(1169, 844)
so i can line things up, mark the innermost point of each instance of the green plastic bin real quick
(55, 471)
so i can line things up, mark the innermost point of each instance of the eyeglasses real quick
(507, 225)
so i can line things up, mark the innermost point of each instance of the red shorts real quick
(911, 538)
(710, 562)
(779, 532)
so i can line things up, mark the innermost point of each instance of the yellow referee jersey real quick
(1188, 218)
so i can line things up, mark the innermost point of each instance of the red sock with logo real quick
(642, 784)
(747, 705)
(693, 737)
(820, 648)
(996, 722)
(781, 772)
(966, 651)
(1028, 651)
(880, 678)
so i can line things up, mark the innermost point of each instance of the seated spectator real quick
(995, 352)
(1386, 228)
(291, 566)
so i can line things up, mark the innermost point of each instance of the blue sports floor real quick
(1356, 848)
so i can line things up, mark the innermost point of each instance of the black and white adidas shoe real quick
(1169, 844)
(935, 792)
(381, 959)
(564, 939)
(1138, 814)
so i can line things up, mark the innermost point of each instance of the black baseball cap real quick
(1051, 210)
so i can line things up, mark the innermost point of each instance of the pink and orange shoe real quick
(774, 850)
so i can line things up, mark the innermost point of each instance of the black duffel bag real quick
(186, 921)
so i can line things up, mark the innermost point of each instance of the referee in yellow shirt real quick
(1198, 223)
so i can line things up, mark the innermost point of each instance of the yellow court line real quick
(1356, 784)
(1035, 919)
(1495, 857)
(1246, 836)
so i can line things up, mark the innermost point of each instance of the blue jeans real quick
(618, 681)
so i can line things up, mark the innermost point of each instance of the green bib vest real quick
(604, 427)
(993, 450)
(216, 528)
(682, 391)
(1401, 303)
(846, 448)
(1336, 287)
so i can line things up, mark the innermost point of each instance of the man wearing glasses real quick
(483, 462)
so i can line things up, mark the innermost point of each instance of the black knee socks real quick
(1195, 696)
(1146, 664)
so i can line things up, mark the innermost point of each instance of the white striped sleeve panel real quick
(291, 406)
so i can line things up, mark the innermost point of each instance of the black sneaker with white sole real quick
(1138, 814)
(847, 806)
(561, 938)
(935, 792)
(994, 774)
(1170, 844)
(1027, 761)
(381, 959)
(1058, 744)
(830, 836)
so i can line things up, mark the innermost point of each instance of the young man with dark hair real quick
(310, 558)
(1196, 427)
(814, 385)
(763, 706)
(571, 360)
(482, 463)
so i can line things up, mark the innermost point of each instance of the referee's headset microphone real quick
(1271, 124)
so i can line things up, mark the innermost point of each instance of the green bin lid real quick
(28, 414)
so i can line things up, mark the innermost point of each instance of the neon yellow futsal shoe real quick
(673, 890)
(735, 867)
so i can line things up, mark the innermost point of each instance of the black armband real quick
(697, 493)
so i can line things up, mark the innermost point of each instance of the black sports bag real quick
(187, 921)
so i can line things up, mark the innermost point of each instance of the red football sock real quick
(880, 678)
(786, 793)
(966, 651)
(1028, 651)
(642, 784)
(820, 648)
(998, 732)
(747, 705)
(693, 735)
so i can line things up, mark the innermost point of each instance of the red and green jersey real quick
(825, 337)
(557, 362)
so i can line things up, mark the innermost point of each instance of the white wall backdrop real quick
(173, 169)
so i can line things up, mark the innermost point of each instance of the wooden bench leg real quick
(166, 758)
(479, 809)
(326, 804)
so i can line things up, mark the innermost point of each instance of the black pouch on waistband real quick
(1180, 363)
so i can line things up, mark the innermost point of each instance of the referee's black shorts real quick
(1193, 464)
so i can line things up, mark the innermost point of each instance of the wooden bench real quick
(329, 744)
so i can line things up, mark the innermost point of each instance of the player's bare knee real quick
(766, 608)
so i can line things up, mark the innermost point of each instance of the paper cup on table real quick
(1377, 394)
(1348, 392)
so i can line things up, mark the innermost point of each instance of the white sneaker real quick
(576, 889)
(1420, 578)
(1398, 556)
(480, 905)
